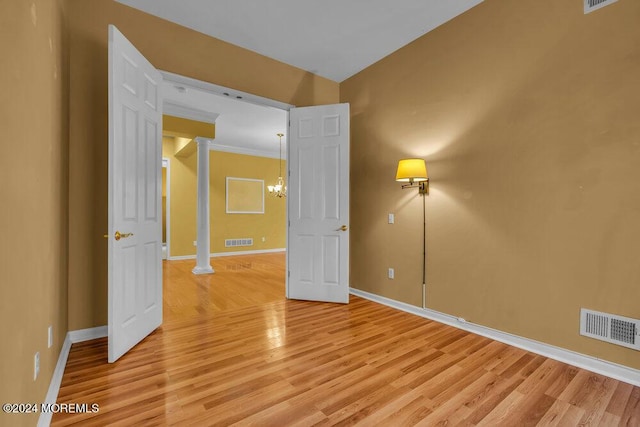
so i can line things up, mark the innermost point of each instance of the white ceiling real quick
(247, 126)
(331, 38)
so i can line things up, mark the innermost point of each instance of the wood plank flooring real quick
(238, 281)
(233, 350)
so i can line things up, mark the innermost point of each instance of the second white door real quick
(135, 194)
(318, 203)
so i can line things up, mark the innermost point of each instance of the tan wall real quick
(270, 225)
(169, 47)
(34, 197)
(528, 118)
(187, 128)
(183, 200)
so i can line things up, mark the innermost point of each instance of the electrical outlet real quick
(50, 336)
(195, 243)
(391, 273)
(36, 365)
(264, 239)
(392, 218)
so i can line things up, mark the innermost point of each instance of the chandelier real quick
(279, 190)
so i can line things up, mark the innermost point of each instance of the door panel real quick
(331, 196)
(331, 254)
(318, 204)
(151, 153)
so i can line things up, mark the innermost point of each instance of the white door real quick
(318, 203)
(135, 194)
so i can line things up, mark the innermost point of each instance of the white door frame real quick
(166, 163)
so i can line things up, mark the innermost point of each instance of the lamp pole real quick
(424, 249)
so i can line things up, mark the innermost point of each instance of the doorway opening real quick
(243, 143)
(318, 175)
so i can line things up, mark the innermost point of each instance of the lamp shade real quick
(412, 170)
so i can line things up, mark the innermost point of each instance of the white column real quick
(203, 264)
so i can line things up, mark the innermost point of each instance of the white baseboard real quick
(259, 251)
(88, 334)
(220, 254)
(181, 257)
(56, 379)
(599, 366)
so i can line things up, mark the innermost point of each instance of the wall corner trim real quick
(590, 363)
(56, 379)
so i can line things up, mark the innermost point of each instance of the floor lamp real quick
(414, 173)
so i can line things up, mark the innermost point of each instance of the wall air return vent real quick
(591, 5)
(233, 243)
(619, 330)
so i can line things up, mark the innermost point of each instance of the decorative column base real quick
(202, 270)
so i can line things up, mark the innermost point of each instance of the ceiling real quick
(331, 38)
(247, 126)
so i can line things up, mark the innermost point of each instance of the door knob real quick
(118, 235)
(343, 228)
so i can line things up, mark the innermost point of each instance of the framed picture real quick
(245, 196)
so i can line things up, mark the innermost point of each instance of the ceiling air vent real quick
(610, 328)
(591, 5)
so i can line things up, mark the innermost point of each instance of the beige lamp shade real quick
(412, 170)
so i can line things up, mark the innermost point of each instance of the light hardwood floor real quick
(232, 349)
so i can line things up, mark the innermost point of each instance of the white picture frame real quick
(244, 195)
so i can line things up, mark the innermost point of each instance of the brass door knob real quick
(120, 235)
(343, 228)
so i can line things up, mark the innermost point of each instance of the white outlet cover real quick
(391, 273)
(392, 218)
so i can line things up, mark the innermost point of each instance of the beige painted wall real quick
(169, 47)
(179, 146)
(183, 199)
(34, 197)
(528, 117)
(270, 225)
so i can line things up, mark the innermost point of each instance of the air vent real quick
(619, 330)
(233, 243)
(591, 5)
